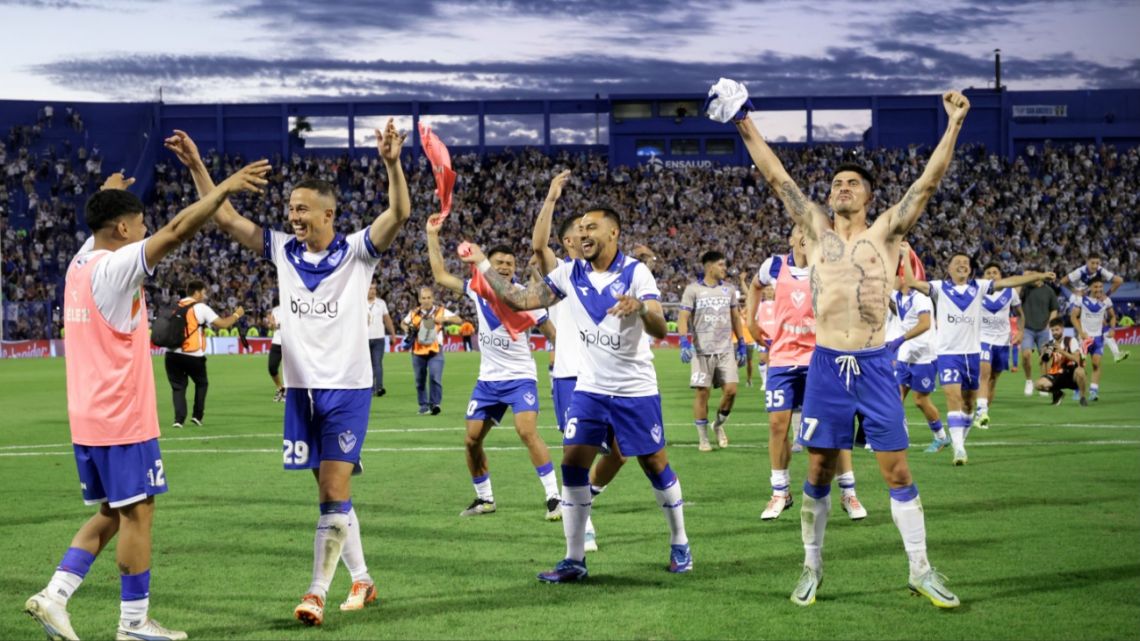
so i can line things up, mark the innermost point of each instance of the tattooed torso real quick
(851, 281)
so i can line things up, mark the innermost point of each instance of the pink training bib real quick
(793, 338)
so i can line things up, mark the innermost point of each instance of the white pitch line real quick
(744, 446)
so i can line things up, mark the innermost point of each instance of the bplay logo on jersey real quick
(600, 339)
(490, 340)
(313, 307)
(959, 318)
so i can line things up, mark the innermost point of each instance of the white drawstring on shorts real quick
(848, 365)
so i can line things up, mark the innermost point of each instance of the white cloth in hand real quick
(726, 98)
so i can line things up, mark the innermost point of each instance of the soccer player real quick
(1088, 317)
(379, 329)
(323, 277)
(1038, 308)
(614, 300)
(507, 378)
(915, 367)
(792, 333)
(997, 309)
(750, 343)
(275, 354)
(111, 403)
(958, 316)
(1083, 276)
(1063, 364)
(189, 360)
(712, 305)
(850, 371)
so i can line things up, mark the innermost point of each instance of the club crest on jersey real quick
(529, 398)
(973, 291)
(798, 298)
(347, 441)
(657, 432)
(617, 288)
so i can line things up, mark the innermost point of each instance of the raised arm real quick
(540, 238)
(902, 217)
(241, 229)
(191, 219)
(536, 295)
(908, 271)
(805, 213)
(387, 224)
(435, 256)
(1117, 281)
(1022, 279)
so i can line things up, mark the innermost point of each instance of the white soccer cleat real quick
(960, 456)
(721, 437)
(932, 585)
(853, 507)
(361, 594)
(591, 542)
(311, 610)
(982, 420)
(776, 506)
(52, 615)
(149, 630)
(810, 580)
(704, 446)
(554, 508)
(1029, 388)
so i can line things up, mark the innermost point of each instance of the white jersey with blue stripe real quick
(1081, 276)
(1094, 313)
(958, 314)
(324, 303)
(502, 358)
(616, 358)
(912, 306)
(568, 341)
(996, 308)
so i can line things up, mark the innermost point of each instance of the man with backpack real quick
(187, 361)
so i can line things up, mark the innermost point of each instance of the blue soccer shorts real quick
(490, 399)
(843, 384)
(633, 421)
(784, 389)
(960, 369)
(120, 475)
(325, 425)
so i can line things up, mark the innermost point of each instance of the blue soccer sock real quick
(936, 428)
(135, 594)
(958, 421)
(549, 479)
(70, 573)
(667, 490)
(483, 487)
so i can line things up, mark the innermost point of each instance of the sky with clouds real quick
(259, 50)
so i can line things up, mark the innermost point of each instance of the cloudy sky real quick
(252, 50)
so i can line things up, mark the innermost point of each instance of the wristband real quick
(484, 265)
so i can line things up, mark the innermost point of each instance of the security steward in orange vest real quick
(426, 323)
(189, 361)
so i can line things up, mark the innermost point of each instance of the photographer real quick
(1063, 364)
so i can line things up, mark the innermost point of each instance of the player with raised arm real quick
(614, 301)
(1083, 277)
(712, 305)
(997, 308)
(915, 367)
(852, 265)
(323, 278)
(958, 316)
(792, 334)
(507, 378)
(111, 404)
(1089, 316)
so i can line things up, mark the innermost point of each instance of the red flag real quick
(440, 159)
(515, 321)
(915, 265)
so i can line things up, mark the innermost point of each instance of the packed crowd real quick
(1046, 210)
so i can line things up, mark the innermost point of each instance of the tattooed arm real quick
(536, 295)
(902, 217)
(804, 212)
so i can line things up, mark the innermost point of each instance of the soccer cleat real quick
(435, 410)
(149, 630)
(1058, 396)
(680, 559)
(279, 396)
(424, 411)
(937, 444)
(177, 425)
(554, 508)
(380, 392)
(704, 446)
(1123, 357)
(809, 582)
(361, 594)
(1085, 402)
(52, 615)
(567, 571)
(932, 585)
(591, 542)
(196, 421)
(479, 506)
(1094, 395)
(853, 507)
(1029, 388)
(982, 420)
(311, 610)
(960, 456)
(721, 437)
(776, 506)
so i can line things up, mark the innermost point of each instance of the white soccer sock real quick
(549, 480)
(702, 429)
(353, 551)
(909, 520)
(794, 426)
(780, 480)
(846, 482)
(483, 487)
(983, 404)
(576, 502)
(763, 375)
(1113, 347)
(332, 530)
(1094, 387)
(813, 524)
(673, 506)
(721, 419)
(63, 585)
(958, 422)
(132, 614)
(597, 489)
